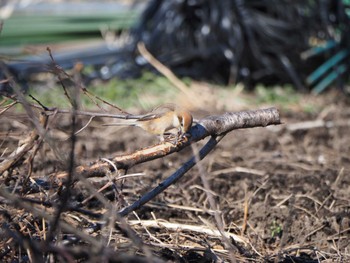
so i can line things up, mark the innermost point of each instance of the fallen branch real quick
(19, 153)
(182, 227)
(33, 140)
(210, 145)
(209, 126)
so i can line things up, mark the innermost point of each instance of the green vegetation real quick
(41, 27)
(284, 97)
(278, 94)
(144, 91)
(276, 229)
(150, 90)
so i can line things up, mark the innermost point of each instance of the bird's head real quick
(185, 119)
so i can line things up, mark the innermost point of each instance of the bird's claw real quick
(180, 137)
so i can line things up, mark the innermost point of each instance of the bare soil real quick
(285, 190)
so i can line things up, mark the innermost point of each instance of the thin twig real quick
(7, 107)
(213, 205)
(88, 93)
(124, 116)
(17, 202)
(37, 101)
(84, 127)
(58, 70)
(66, 192)
(165, 71)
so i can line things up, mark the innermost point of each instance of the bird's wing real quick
(158, 112)
(165, 107)
(122, 123)
(150, 116)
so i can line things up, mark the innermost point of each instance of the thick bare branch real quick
(209, 126)
(217, 125)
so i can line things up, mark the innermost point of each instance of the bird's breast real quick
(176, 122)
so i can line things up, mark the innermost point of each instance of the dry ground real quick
(285, 190)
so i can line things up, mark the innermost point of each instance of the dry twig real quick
(193, 228)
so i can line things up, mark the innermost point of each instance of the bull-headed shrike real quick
(162, 119)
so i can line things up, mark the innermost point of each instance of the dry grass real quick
(264, 195)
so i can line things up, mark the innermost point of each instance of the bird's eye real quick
(181, 120)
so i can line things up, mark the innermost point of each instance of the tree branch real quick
(209, 126)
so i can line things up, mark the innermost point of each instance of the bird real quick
(162, 119)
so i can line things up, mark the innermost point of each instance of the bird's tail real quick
(124, 123)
